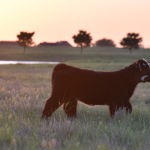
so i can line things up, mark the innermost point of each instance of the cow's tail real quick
(58, 68)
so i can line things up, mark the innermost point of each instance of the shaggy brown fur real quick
(114, 89)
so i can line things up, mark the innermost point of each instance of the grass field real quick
(25, 88)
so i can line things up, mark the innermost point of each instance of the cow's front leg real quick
(128, 107)
(113, 108)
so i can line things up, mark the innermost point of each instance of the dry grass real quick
(23, 92)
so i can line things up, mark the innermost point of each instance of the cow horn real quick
(145, 61)
(140, 67)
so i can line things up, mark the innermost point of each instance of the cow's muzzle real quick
(145, 78)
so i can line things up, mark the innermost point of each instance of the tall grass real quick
(24, 90)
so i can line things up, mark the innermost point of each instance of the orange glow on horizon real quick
(59, 20)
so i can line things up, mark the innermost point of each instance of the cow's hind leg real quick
(70, 108)
(50, 106)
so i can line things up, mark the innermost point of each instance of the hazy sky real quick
(55, 20)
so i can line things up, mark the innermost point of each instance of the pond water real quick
(5, 62)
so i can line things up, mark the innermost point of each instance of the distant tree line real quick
(105, 42)
(84, 39)
(132, 40)
(25, 39)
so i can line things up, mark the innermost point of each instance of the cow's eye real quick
(143, 64)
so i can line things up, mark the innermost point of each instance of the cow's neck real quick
(128, 74)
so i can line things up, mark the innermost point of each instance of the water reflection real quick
(5, 62)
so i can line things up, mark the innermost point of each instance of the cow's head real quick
(144, 70)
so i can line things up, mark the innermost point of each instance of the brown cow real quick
(114, 89)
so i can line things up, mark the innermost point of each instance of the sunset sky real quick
(55, 20)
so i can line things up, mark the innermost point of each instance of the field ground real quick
(25, 88)
(63, 54)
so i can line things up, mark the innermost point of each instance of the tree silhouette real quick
(105, 42)
(25, 39)
(131, 41)
(82, 39)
